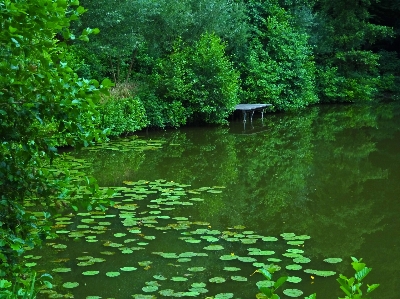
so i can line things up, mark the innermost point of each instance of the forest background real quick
(172, 62)
(176, 62)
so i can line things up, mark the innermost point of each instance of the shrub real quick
(199, 80)
(122, 115)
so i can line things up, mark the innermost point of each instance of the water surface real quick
(329, 172)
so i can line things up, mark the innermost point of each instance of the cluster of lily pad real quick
(170, 254)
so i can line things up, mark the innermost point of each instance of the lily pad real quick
(160, 277)
(301, 260)
(294, 267)
(113, 274)
(179, 278)
(214, 247)
(292, 292)
(127, 269)
(239, 278)
(224, 296)
(196, 269)
(246, 259)
(295, 242)
(70, 285)
(198, 284)
(231, 269)
(320, 272)
(167, 292)
(228, 257)
(293, 279)
(333, 260)
(217, 279)
(150, 288)
(269, 239)
(90, 273)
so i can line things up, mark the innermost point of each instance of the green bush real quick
(122, 115)
(199, 79)
(280, 69)
(349, 77)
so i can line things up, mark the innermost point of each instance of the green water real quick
(329, 172)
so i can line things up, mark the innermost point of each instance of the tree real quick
(134, 32)
(43, 103)
(198, 82)
(280, 68)
(348, 69)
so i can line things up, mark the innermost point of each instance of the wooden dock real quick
(251, 108)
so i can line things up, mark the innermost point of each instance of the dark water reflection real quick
(331, 172)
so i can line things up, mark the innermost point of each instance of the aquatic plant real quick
(268, 289)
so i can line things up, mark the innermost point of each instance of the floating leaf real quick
(269, 239)
(113, 274)
(301, 260)
(293, 279)
(126, 269)
(320, 272)
(59, 246)
(295, 250)
(198, 284)
(239, 278)
(224, 296)
(159, 277)
(248, 241)
(302, 237)
(70, 285)
(167, 292)
(333, 260)
(231, 269)
(246, 259)
(178, 278)
(145, 263)
(149, 289)
(141, 296)
(288, 235)
(217, 279)
(239, 227)
(90, 273)
(291, 254)
(228, 257)
(214, 247)
(294, 267)
(274, 260)
(292, 292)
(262, 252)
(295, 242)
(196, 269)
(187, 254)
(169, 255)
(199, 290)
(119, 235)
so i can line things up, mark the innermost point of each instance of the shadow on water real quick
(330, 172)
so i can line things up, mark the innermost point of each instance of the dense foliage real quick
(288, 53)
(43, 103)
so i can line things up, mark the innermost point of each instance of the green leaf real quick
(266, 273)
(360, 275)
(280, 281)
(372, 287)
(358, 266)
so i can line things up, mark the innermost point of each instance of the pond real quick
(200, 209)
